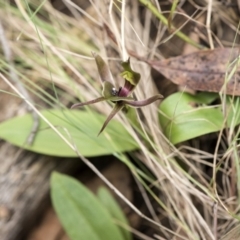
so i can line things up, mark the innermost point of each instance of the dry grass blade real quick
(8, 55)
(53, 55)
(233, 234)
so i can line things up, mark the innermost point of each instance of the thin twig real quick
(124, 52)
(15, 79)
(208, 24)
(215, 219)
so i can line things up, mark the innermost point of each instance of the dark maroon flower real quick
(120, 97)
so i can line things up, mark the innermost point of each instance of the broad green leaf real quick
(182, 120)
(204, 97)
(80, 212)
(79, 127)
(109, 202)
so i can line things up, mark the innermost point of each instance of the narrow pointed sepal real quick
(142, 103)
(115, 110)
(100, 99)
(117, 99)
(103, 69)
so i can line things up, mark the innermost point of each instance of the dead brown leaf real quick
(203, 70)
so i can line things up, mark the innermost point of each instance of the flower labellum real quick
(120, 97)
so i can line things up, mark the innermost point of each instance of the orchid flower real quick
(122, 96)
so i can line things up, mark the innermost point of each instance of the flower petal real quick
(117, 99)
(143, 103)
(115, 110)
(100, 99)
(103, 69)
(108, 89)
(129, 75)
(126, 89)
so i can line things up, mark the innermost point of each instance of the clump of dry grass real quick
(195, 190)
